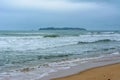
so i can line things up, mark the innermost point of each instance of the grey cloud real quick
(101, 18)
(94, 0)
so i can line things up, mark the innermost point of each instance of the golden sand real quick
(108, 72)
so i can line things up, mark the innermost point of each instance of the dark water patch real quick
(98, 41)
(54, 56)
(21, 61)
(100, 50)
(104, 40)
(107, 49)
(51, 36)
(27, 69)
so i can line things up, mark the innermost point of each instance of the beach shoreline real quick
(83, 67)
(107, 72)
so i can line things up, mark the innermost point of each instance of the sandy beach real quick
(107, 72)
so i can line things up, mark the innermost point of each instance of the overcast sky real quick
(33, 14)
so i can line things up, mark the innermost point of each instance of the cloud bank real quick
(19, 14)
(49, 5)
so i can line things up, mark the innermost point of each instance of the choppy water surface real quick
(41, 52)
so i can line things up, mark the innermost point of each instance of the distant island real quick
(65, 28)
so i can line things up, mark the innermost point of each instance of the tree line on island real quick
(64, 28)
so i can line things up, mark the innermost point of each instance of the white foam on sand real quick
(116, 53)
(84, 66)
(40, 72)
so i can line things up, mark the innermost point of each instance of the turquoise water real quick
(50, 50)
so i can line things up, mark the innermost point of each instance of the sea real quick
(31, 55)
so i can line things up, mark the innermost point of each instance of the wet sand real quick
(107, 72)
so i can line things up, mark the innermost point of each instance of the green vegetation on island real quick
(65, 28)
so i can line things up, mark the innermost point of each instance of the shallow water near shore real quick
(30, 55)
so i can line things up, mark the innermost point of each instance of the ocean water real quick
(30, 55)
